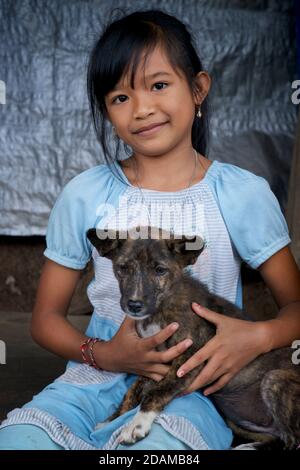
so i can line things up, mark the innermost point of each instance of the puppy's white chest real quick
(147, 331)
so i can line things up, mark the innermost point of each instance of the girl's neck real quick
(159, 174)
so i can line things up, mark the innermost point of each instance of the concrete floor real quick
(29, 368)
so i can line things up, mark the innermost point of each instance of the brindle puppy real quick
(261, 403)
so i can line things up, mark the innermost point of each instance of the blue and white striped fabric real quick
(239, 218)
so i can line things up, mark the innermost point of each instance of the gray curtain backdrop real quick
(46, 134)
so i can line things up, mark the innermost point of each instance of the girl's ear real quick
(202, 83)
(197, 94)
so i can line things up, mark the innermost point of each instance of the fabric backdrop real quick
(46, 134)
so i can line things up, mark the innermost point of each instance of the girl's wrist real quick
(93, 352)
(265, 335)
(102, 355)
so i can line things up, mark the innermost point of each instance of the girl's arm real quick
(125, 352)
(238, 342)
(281, 274)
(49, 325)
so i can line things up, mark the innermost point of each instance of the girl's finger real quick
(151, 367)
(175, 351)
(159, 369)
(209, 315)
(159, 338)
(223, 380)
(198, 358)
(156, 377)
(129, 322)
(208, 374)
(191, 388)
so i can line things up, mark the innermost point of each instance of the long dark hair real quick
(120, 47)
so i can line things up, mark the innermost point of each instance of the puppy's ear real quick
(107, 242)
(186, 249)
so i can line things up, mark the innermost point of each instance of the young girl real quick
(146, 79)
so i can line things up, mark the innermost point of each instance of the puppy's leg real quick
(280, 390)
(254, 440)
(131, 399)
(154, 398)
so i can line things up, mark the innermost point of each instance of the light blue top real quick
(239, 217)
(252, 215)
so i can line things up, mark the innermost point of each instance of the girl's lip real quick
(151, 131)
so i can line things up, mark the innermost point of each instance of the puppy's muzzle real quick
(135, 307)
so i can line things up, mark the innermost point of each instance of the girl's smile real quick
(152, 130)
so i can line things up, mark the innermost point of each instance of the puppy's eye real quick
(122, 268)
(160, 270)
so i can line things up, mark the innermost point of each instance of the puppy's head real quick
(146, 262)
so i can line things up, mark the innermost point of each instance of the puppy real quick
(261, 402)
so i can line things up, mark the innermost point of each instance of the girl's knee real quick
(26, 437)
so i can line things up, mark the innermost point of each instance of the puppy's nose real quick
(135, 306)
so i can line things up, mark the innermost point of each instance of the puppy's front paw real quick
(138, 428)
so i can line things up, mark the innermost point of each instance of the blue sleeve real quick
(252, 215)
(65, 239)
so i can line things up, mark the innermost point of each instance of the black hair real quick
(119, 49)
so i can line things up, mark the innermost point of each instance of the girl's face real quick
(163, 97)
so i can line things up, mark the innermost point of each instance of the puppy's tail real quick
(280, 390)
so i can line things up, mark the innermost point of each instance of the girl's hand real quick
(236, 343)
(127, 352)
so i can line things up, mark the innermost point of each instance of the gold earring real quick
(199, 114)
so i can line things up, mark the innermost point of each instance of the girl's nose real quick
(143, 108)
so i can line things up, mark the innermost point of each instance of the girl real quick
(146, 79)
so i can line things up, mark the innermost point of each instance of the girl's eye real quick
(124, 96)
(160, 83)
(119, 96)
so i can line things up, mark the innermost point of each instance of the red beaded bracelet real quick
(87, 346)
(83, 349)
(94, 363)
